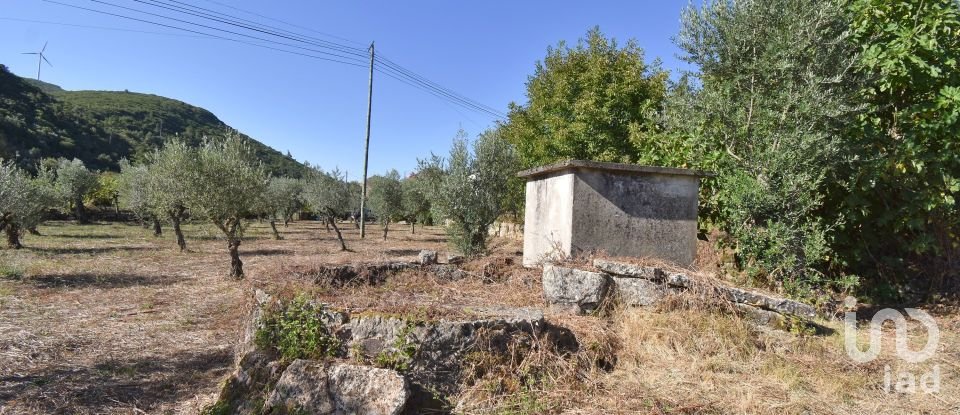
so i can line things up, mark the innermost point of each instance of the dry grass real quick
(107, 319)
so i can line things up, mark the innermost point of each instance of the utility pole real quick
(366, 153)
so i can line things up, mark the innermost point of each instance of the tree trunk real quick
(273, 226)
(413, 228)
(13, 236)
(176, 229)
(286, 221)
(326, 223)
(79, 211)
(236, 265)
(33, 231)
(157, 231)
(116, 205)
(385, 226)
(343, 246)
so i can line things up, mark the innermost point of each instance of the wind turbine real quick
(41, 58)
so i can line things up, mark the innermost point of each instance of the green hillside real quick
(39, 120)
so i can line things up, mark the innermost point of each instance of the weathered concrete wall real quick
(575, 207)
(635, 215)
(548, 217)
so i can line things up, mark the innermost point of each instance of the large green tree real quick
(23, 200)
(898, 204)
(774, 93)
(469, 187)
(228, 185)
(595, 101)
(171, 175)
(386, 198)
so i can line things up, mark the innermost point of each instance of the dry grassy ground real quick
(105, 318)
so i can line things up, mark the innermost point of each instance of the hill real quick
(39, 119)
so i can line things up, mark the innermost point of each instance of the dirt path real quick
(105, 318)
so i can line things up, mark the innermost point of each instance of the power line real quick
(219, 29)
(354, 56)
(392, 73)
(426, 83)
(205, 34)
(283, 22)
(232, 21)
(119, 29)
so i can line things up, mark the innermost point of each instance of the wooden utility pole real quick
(366, 153)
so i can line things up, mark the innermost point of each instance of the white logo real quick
(906, 381)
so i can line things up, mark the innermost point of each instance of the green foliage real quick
(133, 188)
(23, 200)
(415, 204)
(169, 180)
(226, 184)
(297, 330)
(386, 198)
(73, 181)
(329, 193)
(107, 190)
(898, 202)
(471, 188)
(401, 353)
(40, 120)
(594, 102)
(282, 199)
(772, 90)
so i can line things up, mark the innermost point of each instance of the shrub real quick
(297, 330)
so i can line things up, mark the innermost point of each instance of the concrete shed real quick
(578, 206)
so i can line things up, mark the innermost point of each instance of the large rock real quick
(313, 387)
(367, 390)
(638, 291)
(427, 257)
(573, 289)
(302, 387)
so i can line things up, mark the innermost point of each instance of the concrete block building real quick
(577, 206)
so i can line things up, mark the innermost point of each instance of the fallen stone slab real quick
(309, 386)
(732, 294)
(766, 301)
(575, 290)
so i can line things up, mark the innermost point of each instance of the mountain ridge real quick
(39, 119)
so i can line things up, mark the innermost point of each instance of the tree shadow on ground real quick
(266, 252)
(91, 280)
(143, 383)
(89, 251)
(86, 236)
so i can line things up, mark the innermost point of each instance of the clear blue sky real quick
(484, 50)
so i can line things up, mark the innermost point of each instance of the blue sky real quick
(484, 50)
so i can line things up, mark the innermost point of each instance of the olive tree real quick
(169, 182)
(386, 198)
(472, 188)
(132, 190)
(282, 199)
(23, 199)
(415, 204)
(227, 183)
(329, 195)
(73, 182)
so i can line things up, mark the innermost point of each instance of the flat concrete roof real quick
(603, 166)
